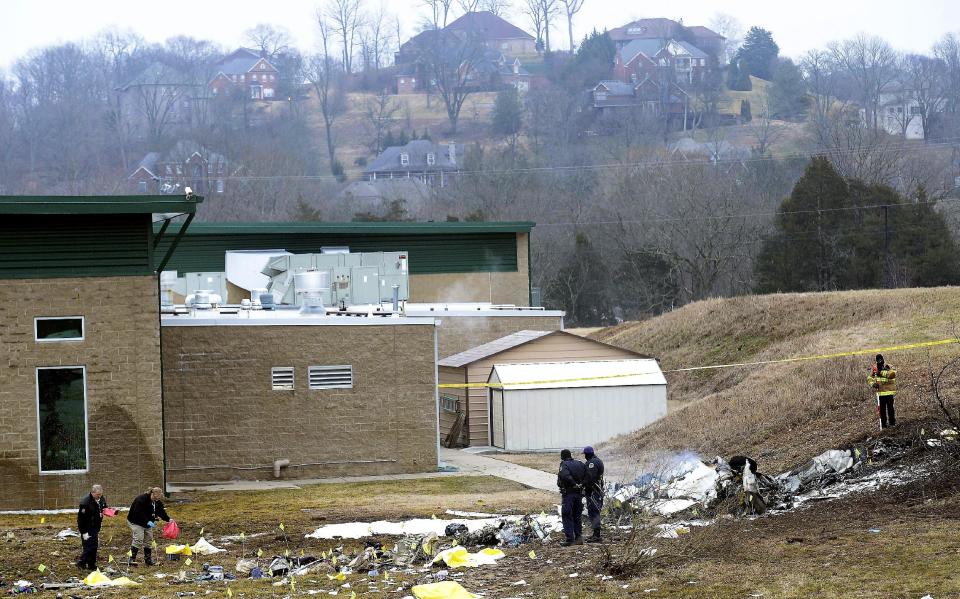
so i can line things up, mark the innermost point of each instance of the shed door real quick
(496, 418)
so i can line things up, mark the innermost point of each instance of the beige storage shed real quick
(464, 412)
(551, 406)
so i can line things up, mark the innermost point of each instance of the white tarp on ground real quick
(420, 526)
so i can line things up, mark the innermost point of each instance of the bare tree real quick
(871, 63)
(765, 132)
(327, 78)
(571, 8)
(531, 8)
(380, 111)
(439, 12)
(269, 40)
(821, 74)
(732, 31)
(928, 78)
(948, 51)
(468, 5)
(550, 10)
(375, 39)
(345, 19)
(497, 7)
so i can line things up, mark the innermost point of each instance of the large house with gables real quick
(246, 71)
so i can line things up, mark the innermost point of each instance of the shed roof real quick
(503, 344)
(361, 228)
(566, 375)
(126, 204)
(489, 349)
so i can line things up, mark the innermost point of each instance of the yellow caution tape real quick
(859, 352)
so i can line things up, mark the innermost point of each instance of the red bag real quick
(171, 530)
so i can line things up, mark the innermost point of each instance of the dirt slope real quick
(783, 414)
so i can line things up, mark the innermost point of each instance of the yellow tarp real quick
(179, 549)
(99, 579)
(447, 589)
(459, 557)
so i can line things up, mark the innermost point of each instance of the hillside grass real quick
(783, 414)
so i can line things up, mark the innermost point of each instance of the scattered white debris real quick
(574, 575)
(66, 533)
(203, 547)
(459, 514)
(421, 526)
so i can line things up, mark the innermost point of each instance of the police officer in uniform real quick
(593, 489)
(570, 479)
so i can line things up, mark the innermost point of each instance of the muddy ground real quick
(899, 542)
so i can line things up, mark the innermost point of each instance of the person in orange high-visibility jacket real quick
(883, 379)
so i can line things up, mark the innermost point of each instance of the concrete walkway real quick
(467, 463)
(470, 463)
(265, 485)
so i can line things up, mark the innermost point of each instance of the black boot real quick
(595, 538)
(148, 556)
(132, 560)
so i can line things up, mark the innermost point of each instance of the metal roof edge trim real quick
(428, 228)
(126, 204)
(179, 321)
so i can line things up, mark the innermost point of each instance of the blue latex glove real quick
(151, 524)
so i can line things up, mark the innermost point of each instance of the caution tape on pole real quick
(859, 352)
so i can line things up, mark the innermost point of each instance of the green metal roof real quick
(358, 228)
(106, 204)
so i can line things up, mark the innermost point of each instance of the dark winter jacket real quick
(144, 510)
(90, 514)
(594, 480)
(571, 476)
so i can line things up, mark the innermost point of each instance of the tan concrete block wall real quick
(224, 421)
(495, 287)
(460, 333)
(122, 355)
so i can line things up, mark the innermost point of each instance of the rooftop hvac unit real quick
(351, 279)
(311, 287)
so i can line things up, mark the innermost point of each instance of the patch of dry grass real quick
(784, 413)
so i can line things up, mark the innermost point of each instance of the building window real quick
(254, 76)
(256, 92)
(404, 159)
(62, 419)
(915, 111)
(219, 185)
(449, 403)
(68, 328)
(431, 158)
(281, 378)
(142, 186)
(330, 377)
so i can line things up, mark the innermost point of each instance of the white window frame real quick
(404, 159)
(282, 371)
(431, 159)
(83, 329)
(86, 421)
(311, 370)
(219, 185)
(141, 187)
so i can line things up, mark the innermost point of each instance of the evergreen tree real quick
(834, 234)
(507, 112)
(738, 79)
(788, 93)
(758, 53)
(389, 140)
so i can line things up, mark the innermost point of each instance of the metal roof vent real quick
(312, 285)
(204, 299)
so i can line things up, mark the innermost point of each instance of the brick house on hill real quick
(497, 34)
(704, 38)
(244, 69)
(187, 164)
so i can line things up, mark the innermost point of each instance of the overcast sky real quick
(796, 26)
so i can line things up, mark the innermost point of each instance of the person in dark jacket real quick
(593, 489)
(145, 510)
(570, 479)
(89, 520)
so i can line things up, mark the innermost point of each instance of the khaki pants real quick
(142, 537)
